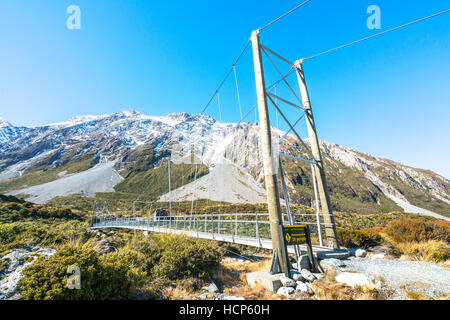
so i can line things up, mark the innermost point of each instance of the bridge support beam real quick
(328, 217)
(270, 169)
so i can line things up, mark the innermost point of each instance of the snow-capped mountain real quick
(35, 158)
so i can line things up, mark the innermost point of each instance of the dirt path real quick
(423, 277)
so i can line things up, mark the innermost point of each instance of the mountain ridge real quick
(28, 155)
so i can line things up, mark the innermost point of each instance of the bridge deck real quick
(324, 252)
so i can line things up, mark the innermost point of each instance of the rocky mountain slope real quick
(128, 151)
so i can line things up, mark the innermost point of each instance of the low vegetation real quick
(358, 238)
(164, 266)
(139, 266)
(102, 277)
(408, 230)
(328, 288)
(418, 239)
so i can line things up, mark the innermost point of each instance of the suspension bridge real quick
(264, 229)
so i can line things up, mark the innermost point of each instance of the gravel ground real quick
(427, 278)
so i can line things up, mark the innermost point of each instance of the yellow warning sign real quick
(294, 234)
(288, 237)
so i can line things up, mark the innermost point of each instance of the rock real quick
(287, 282)
(95, 232)
(352, 279)
(360, 253)
(303, 287)
(332, 263)
(13, 262)
(145, 233)
(318, 276)
(203, 296)
(296, 276)
(307, 275)
(223, 296)
(286, 291)
(211, 287)
(104, 246)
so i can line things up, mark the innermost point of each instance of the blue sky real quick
(388, 97)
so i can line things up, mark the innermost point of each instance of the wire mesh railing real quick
(242, 225)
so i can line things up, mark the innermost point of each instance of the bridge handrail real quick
(202, 225)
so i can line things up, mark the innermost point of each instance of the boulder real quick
(360, 253)
(287, 282)
(307, 275)
(203, 296)
(332, 263)
(104, 246)
(303, 287)
(286, 291)
(353, 279)
(211, 287)
(223, 296)
(12, 263)
(295, 275)
(318, 276)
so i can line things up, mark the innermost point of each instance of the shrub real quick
(408, 230)
(231, 250)
(149, 249)
(6, 233)
(111, 277)
(12, 211)
(182, 257)
(123, 271)
(430, 250)
(358, 238)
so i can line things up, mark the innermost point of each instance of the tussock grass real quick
(413, 291)
(236, 284)
(247, 265)
(429, 251)
(328, 288)
(256, 292)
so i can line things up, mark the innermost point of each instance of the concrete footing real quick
(268, 281)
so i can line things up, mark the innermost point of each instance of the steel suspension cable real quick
(270, 88)
(376, 35)
(284, 15)
(237, 91)
(226, 76)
